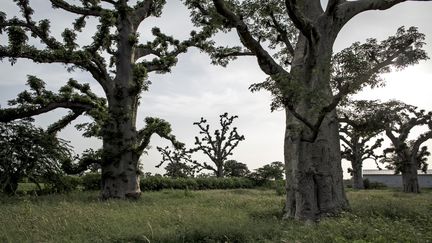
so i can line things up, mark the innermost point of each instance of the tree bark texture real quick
(314, 171)
(220, 170)
(120, 172)
(357, 174)
(409, 177)
(314, 174)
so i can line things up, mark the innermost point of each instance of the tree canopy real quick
(28, 152)
(116, 59)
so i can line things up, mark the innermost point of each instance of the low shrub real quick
(91, 181)
(156, 183)
(60, 184)
(280, 187)
(373, 185)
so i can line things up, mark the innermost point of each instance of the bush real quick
(280, 187)
(154, 183)
(373, 185)
(91, 181)
(60, 184)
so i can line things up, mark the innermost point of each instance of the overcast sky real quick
(197, 89)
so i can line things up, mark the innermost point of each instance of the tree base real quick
(121, 187)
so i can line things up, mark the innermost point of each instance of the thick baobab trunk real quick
(357, 174)
(120, 172)
(314, 172)
(410, 178)
(220, 171)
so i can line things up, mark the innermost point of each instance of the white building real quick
(388, 178)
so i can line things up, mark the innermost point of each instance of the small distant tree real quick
(232, 168)
(178, 161)
(29, 152)
(274, 170)
(219, 147)
(406, 156)
(360, 124)
(393, 162)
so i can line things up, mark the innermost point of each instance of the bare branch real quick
(10, 114)
(304, 24)
(283, 33)
(349, 9)
(332, 6)
(142, 11)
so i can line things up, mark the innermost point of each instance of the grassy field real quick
(211, 216)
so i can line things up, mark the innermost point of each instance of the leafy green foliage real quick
(179, 162)
(233, 168)
(401, 119)
(275, 26)
(273, 171)
(125, 77)
(266, 21)
(61, 184)
(91, 181)
(74, 96)
(361, 65)
(29, 152)
(156, 183)
(360, 124)
(396, 162)
(156, 126)
(89, 160)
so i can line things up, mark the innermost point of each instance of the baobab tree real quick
(219, 147)
(360, 124)
(409, 154)
(233, 168)
(302, 35)
(122, 79)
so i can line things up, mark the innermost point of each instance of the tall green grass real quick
(240, 215)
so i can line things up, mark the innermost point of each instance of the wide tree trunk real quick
(220, 171)
(120, 172)
(410, 177)
(313, 169)
(357, 174)
(314, 174)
